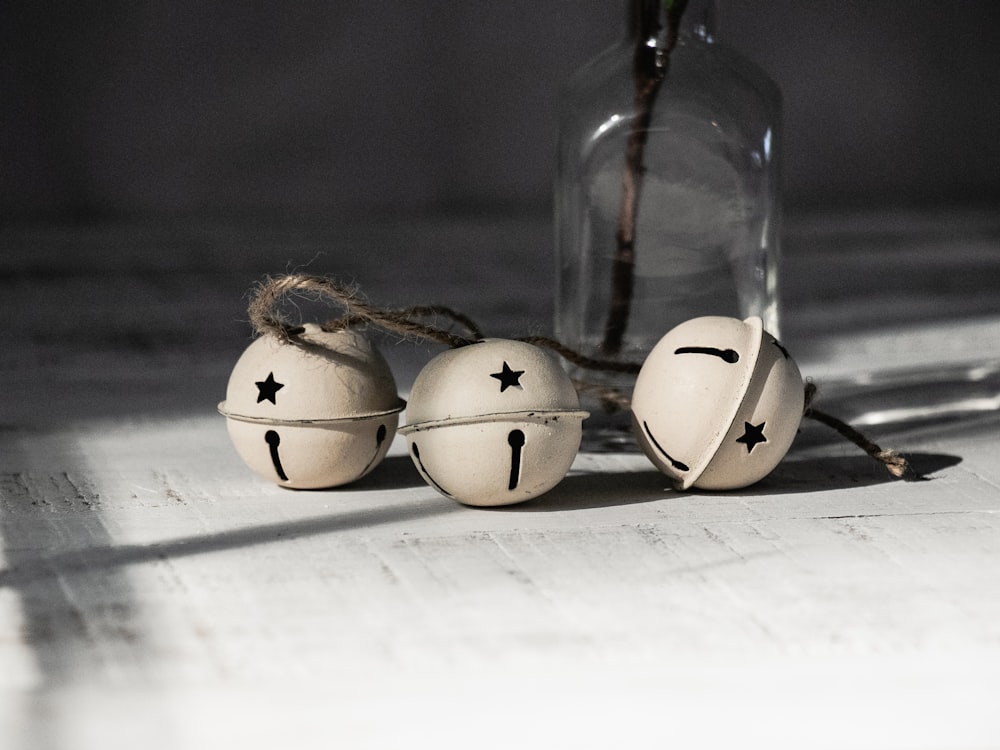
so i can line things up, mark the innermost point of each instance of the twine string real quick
(406, 322)
(895, 464)
(403, 322)
(582, 360)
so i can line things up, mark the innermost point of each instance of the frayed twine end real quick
(894, 463)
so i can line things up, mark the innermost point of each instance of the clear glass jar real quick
(666, 204)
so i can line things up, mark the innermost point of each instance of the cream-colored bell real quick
(717, 403)
(319, 411)
(493, 423)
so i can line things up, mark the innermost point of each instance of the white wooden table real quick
(155, 594)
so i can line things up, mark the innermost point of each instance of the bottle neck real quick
(650, 20)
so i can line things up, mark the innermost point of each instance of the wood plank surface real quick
(154, 593)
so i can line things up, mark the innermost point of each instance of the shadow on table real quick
(819, 474)
(826, 473)
(394, 473)
(598, 490)
(29, 568)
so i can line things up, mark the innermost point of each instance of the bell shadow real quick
(585, 491)
(394, 473)
(597, 490)
(827, 473)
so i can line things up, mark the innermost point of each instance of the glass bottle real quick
(667, 201)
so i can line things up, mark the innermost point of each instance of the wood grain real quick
(154, 593)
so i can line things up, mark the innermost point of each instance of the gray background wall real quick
(343, 106)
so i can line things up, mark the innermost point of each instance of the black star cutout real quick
(752, 435)
(783, 349)
(268, 389)
(508, 377)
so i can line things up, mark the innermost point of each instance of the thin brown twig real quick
(649, 68)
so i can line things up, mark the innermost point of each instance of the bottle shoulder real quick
(696, 67)
(705, 81)
(607, 69)
(719, 64)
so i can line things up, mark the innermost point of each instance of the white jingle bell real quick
(493, 423)
(717, 403)
(319, 411)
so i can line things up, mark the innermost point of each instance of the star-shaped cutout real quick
(508, 378)
(267, 390)
(752, 435)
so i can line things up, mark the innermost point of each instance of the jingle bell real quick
(717, 403)
(493, 423)
(317, 411)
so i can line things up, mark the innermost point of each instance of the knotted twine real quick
(408, 322)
